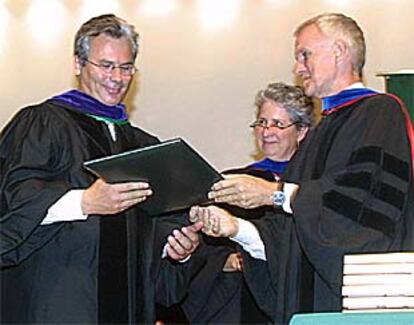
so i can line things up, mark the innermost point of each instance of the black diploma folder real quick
(178, 176)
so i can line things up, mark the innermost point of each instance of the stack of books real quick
(378, 282)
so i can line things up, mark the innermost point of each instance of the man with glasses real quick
(75, 249)
(348, 189)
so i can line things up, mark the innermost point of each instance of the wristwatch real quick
(278, 198)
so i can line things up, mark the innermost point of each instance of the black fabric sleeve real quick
(31, 169)
(355, 189)
(211, 289)
(270, 281)
(172, 277)
(358, 203)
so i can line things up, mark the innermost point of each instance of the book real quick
(377, 302)
(402, 257)
(379, 268)
(391, 278)
(378, 290)
(178, 175)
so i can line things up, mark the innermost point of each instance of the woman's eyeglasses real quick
(273, 123)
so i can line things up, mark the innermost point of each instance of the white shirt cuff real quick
(67, 208)
(248, 237)
(288, 189)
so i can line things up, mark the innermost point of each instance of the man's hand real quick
(217, 222)
(234, 263)
(244, 191)
(182, 243)
(104, 198)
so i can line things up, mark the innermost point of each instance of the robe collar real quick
(275, 167)
(92, 107)
(346, 97)
(331, 104)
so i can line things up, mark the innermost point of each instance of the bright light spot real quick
(279, 3)
(91, 8)
(218, 13)
(339, 3)
(43, 26)
(4, 22)
(159, 7)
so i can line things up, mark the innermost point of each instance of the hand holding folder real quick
(178, 176)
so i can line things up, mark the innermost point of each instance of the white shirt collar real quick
(357, 84)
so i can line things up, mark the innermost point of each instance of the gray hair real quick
(109, 25)
(292, 98)
(344, 27)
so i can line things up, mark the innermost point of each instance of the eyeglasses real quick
(303, 56)
(126, 69)
(267, 124)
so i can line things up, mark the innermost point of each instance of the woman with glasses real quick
(218, 294)
(284, 116)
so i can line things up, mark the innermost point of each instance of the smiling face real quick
(109, 88)
(277, 144)
(316, 62)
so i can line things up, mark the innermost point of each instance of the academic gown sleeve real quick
(31, 169)
(274, 283)
(359, 201)
(355, 188)
(173, 277)
(211, 289)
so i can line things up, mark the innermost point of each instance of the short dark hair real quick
(107, 24)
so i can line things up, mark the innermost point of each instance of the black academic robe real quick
(356, 195)
(105, 269)
(217, 297)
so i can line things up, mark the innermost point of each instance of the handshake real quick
(244, 191)
(217, 222)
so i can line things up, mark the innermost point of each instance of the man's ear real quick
(341, 50)
(77, 65)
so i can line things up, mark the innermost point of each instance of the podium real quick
(401, 83)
